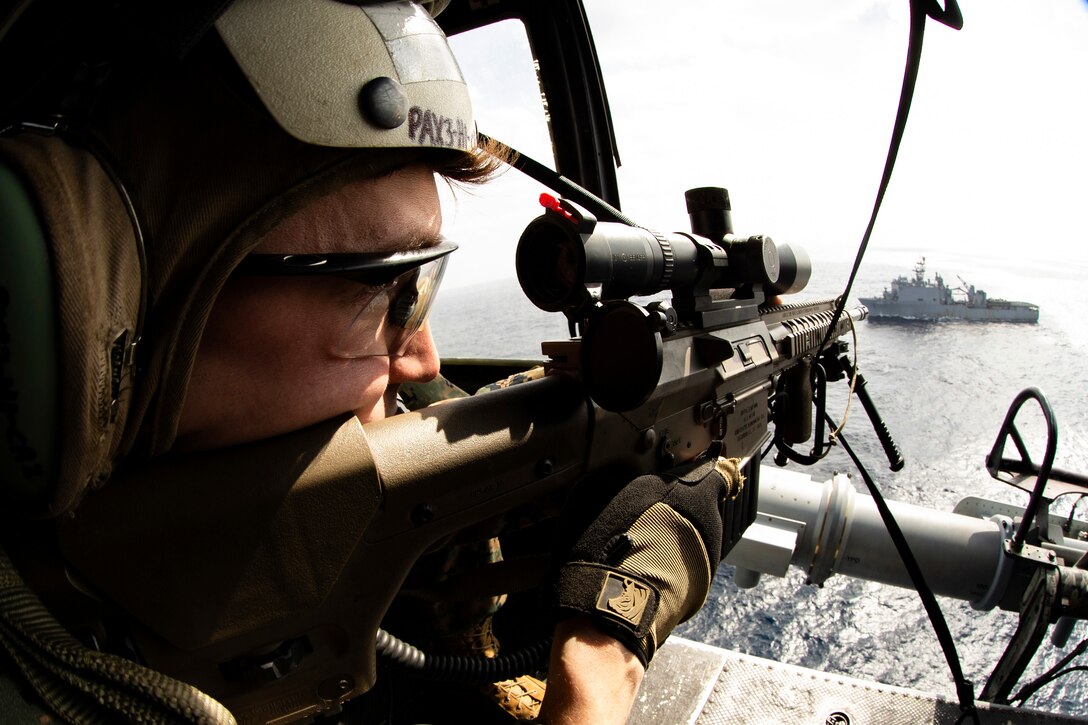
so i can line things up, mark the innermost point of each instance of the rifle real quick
(260, 574)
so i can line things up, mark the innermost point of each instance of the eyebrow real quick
(409, 240)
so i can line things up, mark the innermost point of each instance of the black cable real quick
(964, 687)
(1062, 673)
(562, 185)
(1068, 526)
(1052, 674)
(920, 10)
(464, 669)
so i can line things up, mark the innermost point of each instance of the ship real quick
(917, 298)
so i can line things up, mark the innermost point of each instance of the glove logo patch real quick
(624, 597)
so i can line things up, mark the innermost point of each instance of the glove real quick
(643, 562)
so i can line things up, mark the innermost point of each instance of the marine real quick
(273, 242)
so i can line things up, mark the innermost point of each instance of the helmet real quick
(386, 76)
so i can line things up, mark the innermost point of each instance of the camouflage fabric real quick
(420, 395)
(521, 697)
(531, 374)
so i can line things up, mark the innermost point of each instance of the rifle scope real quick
(566, 249)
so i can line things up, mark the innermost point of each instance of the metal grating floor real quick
(689, 682)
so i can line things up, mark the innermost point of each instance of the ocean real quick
(943, 389)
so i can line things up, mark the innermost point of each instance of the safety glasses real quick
(395, 292)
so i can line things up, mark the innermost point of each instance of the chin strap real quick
(83, 685)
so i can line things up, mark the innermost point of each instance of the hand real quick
(643, 561)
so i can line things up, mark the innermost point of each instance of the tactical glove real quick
(643, 562)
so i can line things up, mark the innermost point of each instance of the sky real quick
(790, 104)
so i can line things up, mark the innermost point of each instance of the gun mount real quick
(991, 554)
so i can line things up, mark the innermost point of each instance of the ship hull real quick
(1013, 312)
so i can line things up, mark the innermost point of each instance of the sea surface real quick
(943, 389)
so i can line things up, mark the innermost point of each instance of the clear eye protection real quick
(395, 292)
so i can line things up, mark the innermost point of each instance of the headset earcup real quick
(29, 383)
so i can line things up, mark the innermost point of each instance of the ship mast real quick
(920, 272)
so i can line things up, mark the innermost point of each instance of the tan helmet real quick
(375, 75)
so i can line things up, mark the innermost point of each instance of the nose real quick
(419, 363)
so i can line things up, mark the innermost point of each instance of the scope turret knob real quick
(754, 260)
(710, 212)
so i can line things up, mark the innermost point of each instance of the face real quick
(266, 363)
